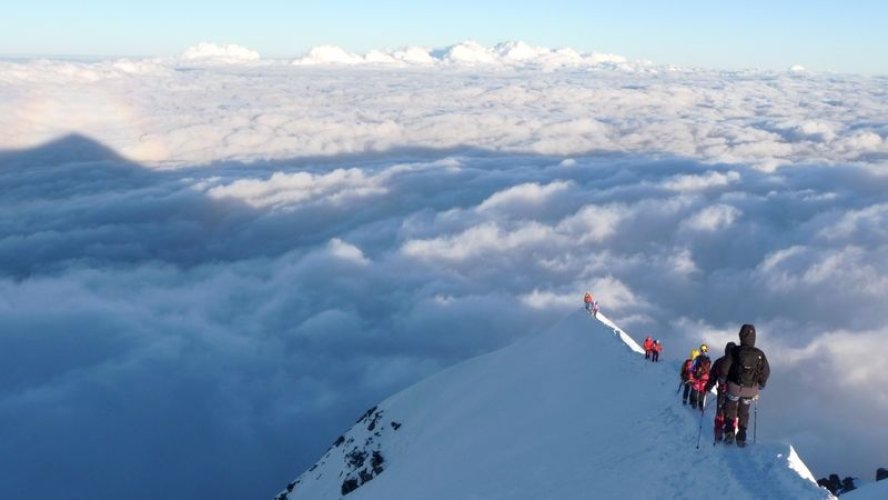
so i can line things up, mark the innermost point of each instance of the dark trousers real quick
(721, 397)
(737, 409)
(655, 356)
(647, 354)
(720, 401)
(698, 398)
(687, 390)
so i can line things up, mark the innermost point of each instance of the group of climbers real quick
(652, 349)
(694, 376)
(738, 376)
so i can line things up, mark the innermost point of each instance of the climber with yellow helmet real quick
(686, 373)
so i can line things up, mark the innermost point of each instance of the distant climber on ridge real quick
(745, 372)
(648, 347)
(658, 347)
(720, 392)
(587, 299)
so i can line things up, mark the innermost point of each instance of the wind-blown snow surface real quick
(232, 258)
(574, 412)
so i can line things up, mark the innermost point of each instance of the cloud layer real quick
(189, 110)
(328, 236)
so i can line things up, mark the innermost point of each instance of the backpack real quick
(701, 367)
(745, 366)
(685, 367)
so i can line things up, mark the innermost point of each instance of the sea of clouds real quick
(211, 265)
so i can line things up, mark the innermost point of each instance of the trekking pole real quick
(755, 419)
(679, 386)
(700, 428)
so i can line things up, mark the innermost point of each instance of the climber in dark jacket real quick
(720, 390)
(745, 372)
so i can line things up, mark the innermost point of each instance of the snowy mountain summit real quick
(575, 412)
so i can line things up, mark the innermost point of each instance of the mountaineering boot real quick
(741, 437)
(729, 436)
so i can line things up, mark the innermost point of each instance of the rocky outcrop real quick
(360, 450)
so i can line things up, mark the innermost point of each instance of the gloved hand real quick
(761, 386)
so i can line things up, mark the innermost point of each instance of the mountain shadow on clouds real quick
(71, 148)
(63, 167)
(74, 202)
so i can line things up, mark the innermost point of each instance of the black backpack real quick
(745, 366)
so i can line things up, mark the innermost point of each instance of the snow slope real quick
(870, 491)
(574, 412)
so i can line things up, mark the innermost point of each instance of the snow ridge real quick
(574, 412)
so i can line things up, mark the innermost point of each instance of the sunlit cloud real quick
(283, 189)
(524, 194)
(713, 218)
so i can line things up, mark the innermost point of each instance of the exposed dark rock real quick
(366, 415)
(831, 483)
(881, 474)
(357, 470)
(376, 417)
(356, 458)
(376, 462)
(365, 476)
(349, 485)
(837, 486)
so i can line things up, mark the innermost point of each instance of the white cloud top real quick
(524, 194)
(283, 189)
(228, 53)
(713, 218)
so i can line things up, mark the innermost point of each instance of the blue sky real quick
(820, 35)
